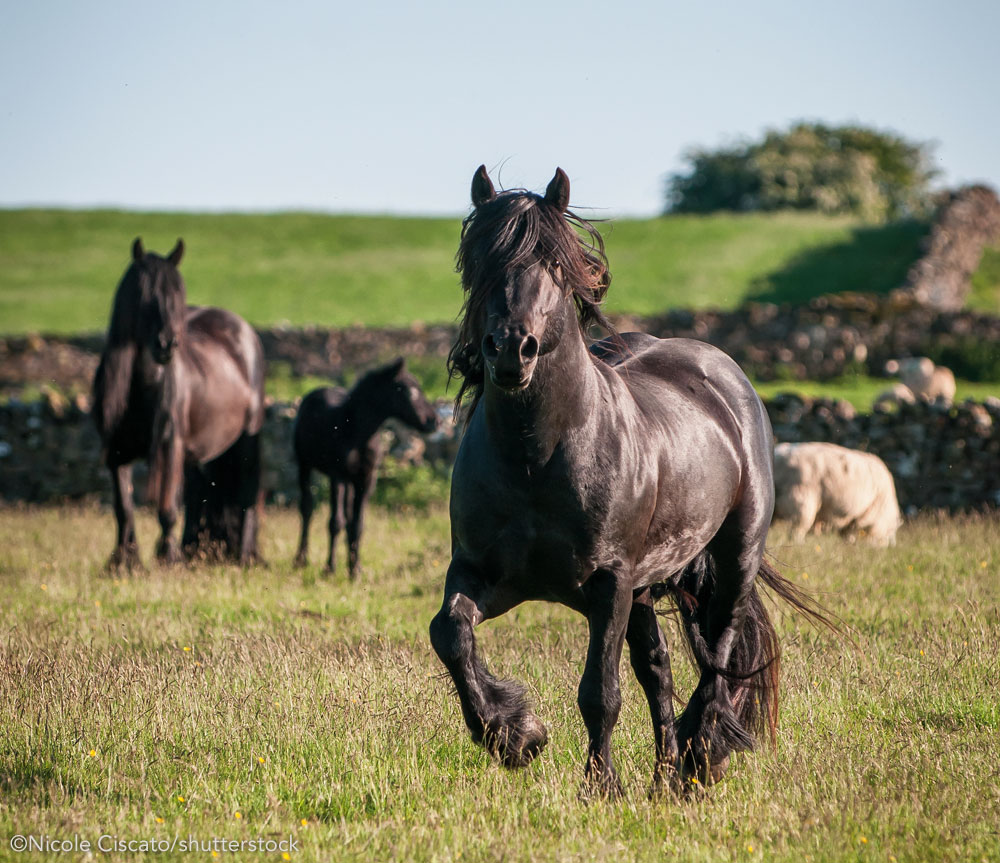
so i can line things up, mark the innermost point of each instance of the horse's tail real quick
(752, 670)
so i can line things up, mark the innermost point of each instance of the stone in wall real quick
(945, 458)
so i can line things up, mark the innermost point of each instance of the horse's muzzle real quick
(510, 354)
(163, 349)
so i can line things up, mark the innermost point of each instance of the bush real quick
(843, 169)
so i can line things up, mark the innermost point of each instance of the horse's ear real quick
(175, 256)
(482, 188)
(397, 365)
(557, 192)
(138, 252)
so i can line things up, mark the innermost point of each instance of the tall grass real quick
(217, 702)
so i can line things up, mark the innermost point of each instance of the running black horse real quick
(183, 387)
(603, 479)
(336, 433)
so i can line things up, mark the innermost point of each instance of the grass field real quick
(59, 268)
(214, 702)
(861, 390)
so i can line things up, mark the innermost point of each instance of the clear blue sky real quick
(390, 107)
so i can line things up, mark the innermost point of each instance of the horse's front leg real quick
(496, 712)
(126, 553)
(171, 465)
(306, 507)
(651, 663)
(356, 522)
(609, 600)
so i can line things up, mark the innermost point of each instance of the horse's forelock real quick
(515, 230)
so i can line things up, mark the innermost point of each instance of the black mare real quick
(181, 386)
(336, 433)
(603, 479)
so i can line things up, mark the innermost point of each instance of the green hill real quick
(59, 268)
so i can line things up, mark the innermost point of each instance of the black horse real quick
(603, 479)
(182, 386)
(336, 433)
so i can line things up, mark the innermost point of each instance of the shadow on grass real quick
(875, 260)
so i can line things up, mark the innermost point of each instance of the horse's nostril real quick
(529, 348)
(490, 345)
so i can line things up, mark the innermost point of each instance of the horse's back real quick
(225, 343)
(315, 438)
(696, 371)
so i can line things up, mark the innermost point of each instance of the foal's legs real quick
(306, 506)
(356, 522)
(609, 598)
(496, 712)
(126, 551)
(338, 495)
(651, 664)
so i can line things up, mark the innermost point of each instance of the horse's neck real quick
(559, 402)
(361, 419)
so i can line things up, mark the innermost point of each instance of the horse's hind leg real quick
(736, 649)
(651, 664)
(196, 493)
(246, 497)
(126, 553)
(496, 712)
(338, 504)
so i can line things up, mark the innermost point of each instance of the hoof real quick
(666, 780)
(518, 743)
(702, 771)
(125, 560)
(603, 786)
(168, 554)
(300, 562)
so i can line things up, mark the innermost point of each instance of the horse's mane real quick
(514, 230)
(113, 380)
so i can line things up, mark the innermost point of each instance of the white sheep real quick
(926, 380)
(898, 394)
(824, 485)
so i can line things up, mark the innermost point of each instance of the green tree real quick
(830, 169)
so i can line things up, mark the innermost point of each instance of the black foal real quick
(336, 433)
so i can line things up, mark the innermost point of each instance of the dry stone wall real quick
(941, 458)
(967, 221)
(823, 339)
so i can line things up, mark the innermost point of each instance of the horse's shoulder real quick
(642, 352)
